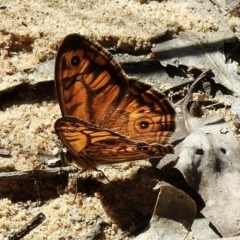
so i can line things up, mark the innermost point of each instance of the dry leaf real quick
(209, 161)
(173, 216)
(201, 50)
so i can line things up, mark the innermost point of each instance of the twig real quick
(37, 173)
(24, 230)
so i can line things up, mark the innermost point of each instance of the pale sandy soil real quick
(30, 32)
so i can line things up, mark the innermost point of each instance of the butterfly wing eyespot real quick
(144, 125)
(75, 61)
(106, 114)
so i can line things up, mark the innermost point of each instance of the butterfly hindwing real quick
(143, 112)
(102, 146)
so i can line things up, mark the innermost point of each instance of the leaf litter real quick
(206, 149)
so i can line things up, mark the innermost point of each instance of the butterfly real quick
(107, 117)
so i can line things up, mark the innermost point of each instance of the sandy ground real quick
(30, 33)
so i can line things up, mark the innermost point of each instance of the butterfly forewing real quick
(93, 144)
(90, 84)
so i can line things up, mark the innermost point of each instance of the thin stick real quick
(24, 230)
(37, 173)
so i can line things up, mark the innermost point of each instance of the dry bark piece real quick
(173, 215)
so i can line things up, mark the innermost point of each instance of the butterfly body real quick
(107, 117)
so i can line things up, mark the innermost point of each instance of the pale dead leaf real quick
(201, 50)
(173, 216)
(201, 230)
(209, 161)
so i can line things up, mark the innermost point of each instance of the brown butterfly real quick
(107, 115)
